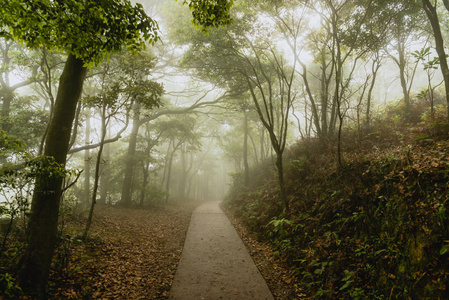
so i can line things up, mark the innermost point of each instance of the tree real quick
(138, 121)
(87, 31)
(432, 15)
(430, 66)
(150, 140)
(145, 94)
(110, 100)
(271, 88)
(178, 131)
(7, 48)
(241, 59)
(405, 29)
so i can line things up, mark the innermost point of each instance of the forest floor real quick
(134, 254)
(130, 254)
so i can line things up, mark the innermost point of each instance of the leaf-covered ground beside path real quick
(277, 273)
(130, 254)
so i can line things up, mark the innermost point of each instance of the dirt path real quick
(214, 263)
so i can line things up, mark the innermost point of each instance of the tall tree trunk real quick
(167, 157)
(431, 12)
(182, 176)
(262, 145)
(402, 64)
(97, 172)
(375, 69)
(170, 162)
(146, 173)
(146, 165)
(256, 156)
(35, 264)
(338, 82)
(245, 147)
(86, 191)
(5, 122)
(167, 183)
(324, 93)
(8, 96)
(189, 180)
(315, 114)
(280, 169)
(126, 197)
(104, 177)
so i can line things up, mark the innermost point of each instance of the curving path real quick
(214, 263)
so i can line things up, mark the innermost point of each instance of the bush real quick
(8, 287)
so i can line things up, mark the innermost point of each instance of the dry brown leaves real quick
(131, 254)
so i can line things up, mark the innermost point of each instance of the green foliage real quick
(28, 124)
(375, 229)
(89, 29)
(8, 287)
(210, 13)
(16, 179)
(146, 92)
(424, 56)
(182, 129)
(10, 145)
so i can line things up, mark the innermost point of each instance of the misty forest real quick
(321, 126)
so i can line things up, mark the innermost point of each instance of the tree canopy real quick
(88, 29)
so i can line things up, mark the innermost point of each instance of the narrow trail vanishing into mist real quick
(214, 262)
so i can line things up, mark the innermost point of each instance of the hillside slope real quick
(375, 228)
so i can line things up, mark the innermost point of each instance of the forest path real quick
(214, 262)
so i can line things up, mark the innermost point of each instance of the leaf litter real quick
(130, 254)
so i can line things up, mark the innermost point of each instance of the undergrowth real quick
(377, 228)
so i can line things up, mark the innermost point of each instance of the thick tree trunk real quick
(35, 264)
(130, 159)
(432, 15)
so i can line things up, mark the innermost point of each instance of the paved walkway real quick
(214, 263)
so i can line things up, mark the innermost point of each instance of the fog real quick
(178, 118)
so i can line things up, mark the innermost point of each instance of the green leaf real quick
(444, 249)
